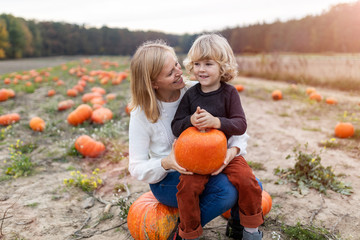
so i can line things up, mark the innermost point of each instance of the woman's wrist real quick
(236, 150)
(164, 163)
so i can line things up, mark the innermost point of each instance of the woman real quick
(157, 87)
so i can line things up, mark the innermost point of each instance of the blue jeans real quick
(218, 197)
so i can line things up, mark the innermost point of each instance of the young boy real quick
(212, 103)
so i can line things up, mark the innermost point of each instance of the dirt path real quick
(43, 209)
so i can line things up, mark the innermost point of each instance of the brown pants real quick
(190, 188)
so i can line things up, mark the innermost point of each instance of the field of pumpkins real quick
(54, 106)
(64, 153)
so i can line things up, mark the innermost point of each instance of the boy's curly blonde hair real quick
(213, 47)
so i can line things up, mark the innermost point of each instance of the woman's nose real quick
(179, 71)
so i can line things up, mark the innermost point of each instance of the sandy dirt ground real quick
(39, 207)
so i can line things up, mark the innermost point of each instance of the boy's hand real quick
(202, 120)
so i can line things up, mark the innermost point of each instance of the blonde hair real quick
(213, 47)
(145, 66)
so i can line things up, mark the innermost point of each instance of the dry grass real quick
(340, 71)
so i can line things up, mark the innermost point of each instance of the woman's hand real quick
(169, 162)
(230, 154)
(202, 120)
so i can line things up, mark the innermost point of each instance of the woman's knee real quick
(222, 189)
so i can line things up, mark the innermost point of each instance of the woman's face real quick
(170, 78)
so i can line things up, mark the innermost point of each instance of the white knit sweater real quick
(150, 142)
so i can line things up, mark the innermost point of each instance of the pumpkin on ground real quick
(266, 204)
(239, 87)
(100, 90)
(110, 96)
(89, 147)
(98, 100)
(51, 93)
(331, 101)
(149, 219)
(88, 96)
(72, 92)
(37, 124)
(3, 95)
(276, 95)
(315, 96)
(66, 104)
(344, 130)
(8, 119)
(80, 114)
(10, 92)
(128, 109)
(101, 115)
(310, 90)
(201, 152)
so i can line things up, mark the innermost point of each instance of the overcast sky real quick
(183, 16)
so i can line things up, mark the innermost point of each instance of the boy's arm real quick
(182, 118)
(235, 123)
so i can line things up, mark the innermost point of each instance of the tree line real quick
(336, 30)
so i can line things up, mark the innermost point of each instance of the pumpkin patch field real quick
(64, 154)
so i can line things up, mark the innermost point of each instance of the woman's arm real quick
(239, 141)
(141, 166)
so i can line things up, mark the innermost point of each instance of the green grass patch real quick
(309, 173)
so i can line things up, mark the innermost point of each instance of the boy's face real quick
(207, 72)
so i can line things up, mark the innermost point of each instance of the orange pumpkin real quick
(98, 90)
(101, 115)
(78, 88)
(60, 83)
(201, 152)
(66, 104)
(331, 101)
(128, 109)
(344, 130)
(37, 124)
(239, 87)
(3, 95)
(88, 96)
(7, 81)
(276, 95)
(8, 119)
(89, 147)
(149, 219)
(98, 100)
(315, 96)
(79, 115)
(310, 90)
(51, 93)
(10, 92)
(110, 96)
(266, 204)
(72, 92)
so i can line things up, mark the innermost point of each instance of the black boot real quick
(234, 229)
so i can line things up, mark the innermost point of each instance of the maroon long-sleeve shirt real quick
(223, 103)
